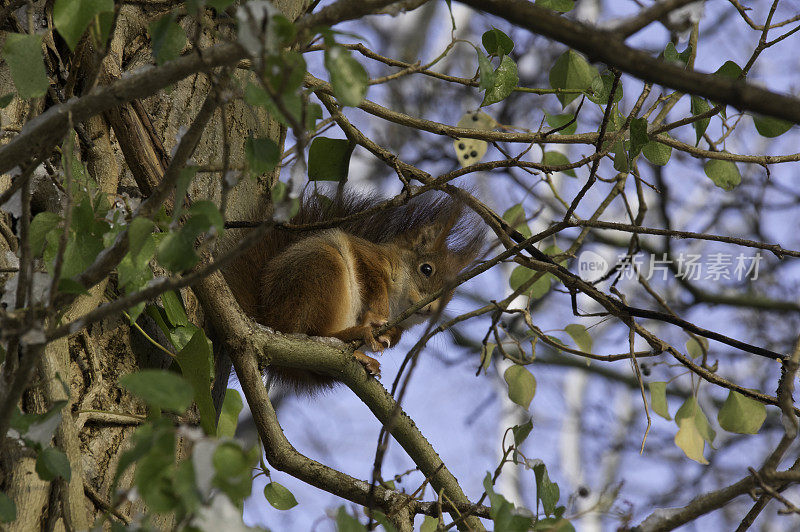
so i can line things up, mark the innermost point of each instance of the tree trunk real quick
(125, 151)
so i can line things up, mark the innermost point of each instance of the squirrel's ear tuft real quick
(422, 239)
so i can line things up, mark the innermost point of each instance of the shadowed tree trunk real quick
(126, 151)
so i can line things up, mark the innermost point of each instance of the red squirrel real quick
(348, 281)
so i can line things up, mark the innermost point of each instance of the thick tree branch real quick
(252, 347)
(607, 48)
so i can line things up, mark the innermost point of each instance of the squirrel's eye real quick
(426, 269)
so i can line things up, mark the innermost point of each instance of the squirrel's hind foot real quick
(372, 366)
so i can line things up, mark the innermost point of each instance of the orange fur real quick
(347, 282)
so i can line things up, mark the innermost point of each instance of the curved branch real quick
(607, 48)
(252, 347)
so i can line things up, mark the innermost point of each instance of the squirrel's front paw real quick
(385, 341)
(378, 343)
(374, 344)
(372, 366)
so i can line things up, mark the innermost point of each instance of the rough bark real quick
(127, 152)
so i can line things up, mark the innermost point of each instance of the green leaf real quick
(600, 89)
(546, 490)
(348, 78)
(219, 5)
(621, 163)
(174, 309)
(167, 39)
(516, 218)
(521, 275)
(85, 218)
(208, 216)
(256, 95)
(521, 432)
(154, 454)
(180, 335)
(176, 251)
(6, 99)
(553, 524)
(313, 113)
(691, 409)
(688, 439)
(741, 414)
(556, 121)
(485, 72)
(262, 154)
(657, 153)
(699, 106)
(671, 55)
(70, 286)
(615, 122)
(139, 231)
(42, 224)
(184, 486)
(71, 17)
(571, 71)
(580, 336)
(279, 497)
(134, 268)
(158, 315)
(23, 54)
(486, 354)
(233, 466)
(195, 362)
(229, 416)
(521, 385)
(686, 54)
(381, 518)
(329, 159)
(292, 104)
(562, 6)
(52, 463)
(230, 460)
(496, 42)
(181, 186)
(771, 127)
(639, 137)
(503, 513)
(284, 30)
(285, 72)
(8, 510)
(347, 523)
(729, 70)
(159, 389)
(723, 173)
(82, 249)
(429, 524)
(658, 399)
(695, 348)
(556, 158)
(504, 82)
